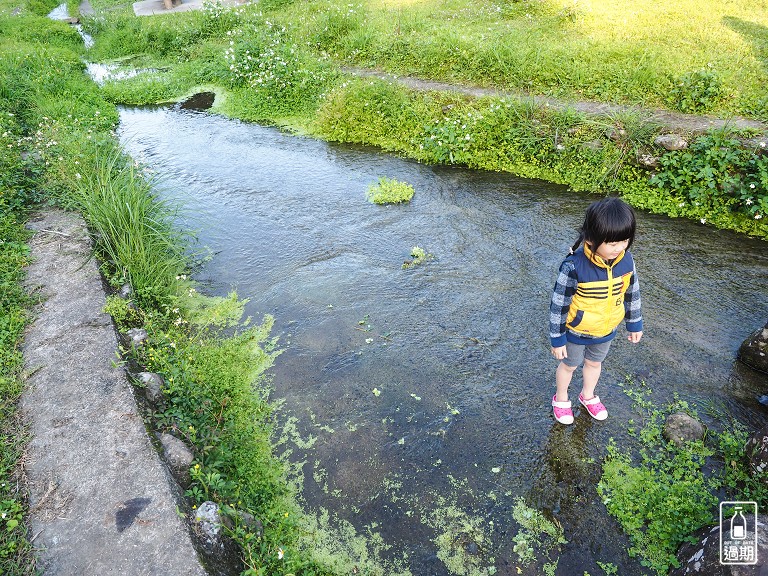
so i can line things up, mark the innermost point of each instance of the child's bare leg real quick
(563, 380)
(590, 374)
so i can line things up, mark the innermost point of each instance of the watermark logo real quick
(738, 533)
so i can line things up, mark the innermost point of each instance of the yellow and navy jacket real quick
(592, 297)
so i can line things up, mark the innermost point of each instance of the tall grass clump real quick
(132, 227)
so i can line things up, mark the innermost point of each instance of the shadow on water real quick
(428, 389)
(200, 101)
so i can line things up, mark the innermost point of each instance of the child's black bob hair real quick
(607, 220)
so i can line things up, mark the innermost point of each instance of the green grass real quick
(16, 558)
(606, 51)
(281, 62)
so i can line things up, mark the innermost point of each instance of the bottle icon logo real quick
(738, 525)
(738, 533)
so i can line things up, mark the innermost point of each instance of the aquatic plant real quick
(538, 536)
(389, 191)
(418, 255)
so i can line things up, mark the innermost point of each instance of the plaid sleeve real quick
(565, 288)
(632, 313)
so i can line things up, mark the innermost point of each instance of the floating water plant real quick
(389, 191)
(418, 255)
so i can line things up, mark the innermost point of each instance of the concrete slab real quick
(101, 500)
(154, 7)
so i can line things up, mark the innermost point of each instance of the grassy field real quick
(610, 51)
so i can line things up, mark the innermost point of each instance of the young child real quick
(596, 289)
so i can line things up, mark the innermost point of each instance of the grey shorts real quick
(578, 352)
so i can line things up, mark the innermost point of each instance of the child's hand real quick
(634, 337)
(559, 353)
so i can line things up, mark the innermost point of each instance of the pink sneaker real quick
(594, 407)
(562, 410)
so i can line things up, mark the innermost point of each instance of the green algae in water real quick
(336, 544)
(537, 534)
(389, 191)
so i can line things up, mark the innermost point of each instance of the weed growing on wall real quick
(716, 170)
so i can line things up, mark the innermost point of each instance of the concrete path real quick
(101, 500)
(153, 7)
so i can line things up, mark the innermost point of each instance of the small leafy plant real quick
(695, 91)
(418, 255)
(663, 493)
(716, 170)
(389, 191)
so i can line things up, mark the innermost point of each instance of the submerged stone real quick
(681, 428)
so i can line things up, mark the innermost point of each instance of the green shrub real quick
(717, 171)
(695, 91)
(389, 191)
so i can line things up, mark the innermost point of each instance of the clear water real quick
(456, 347)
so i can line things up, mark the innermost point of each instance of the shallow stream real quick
(427, 389)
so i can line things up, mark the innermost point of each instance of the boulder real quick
(221, 552)
(704, 557)
(207, 524)
(681, 428)
(671, 142)
(647, 160)
(125, 292)
(178, 456)
(754, 350)
(757, 452)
